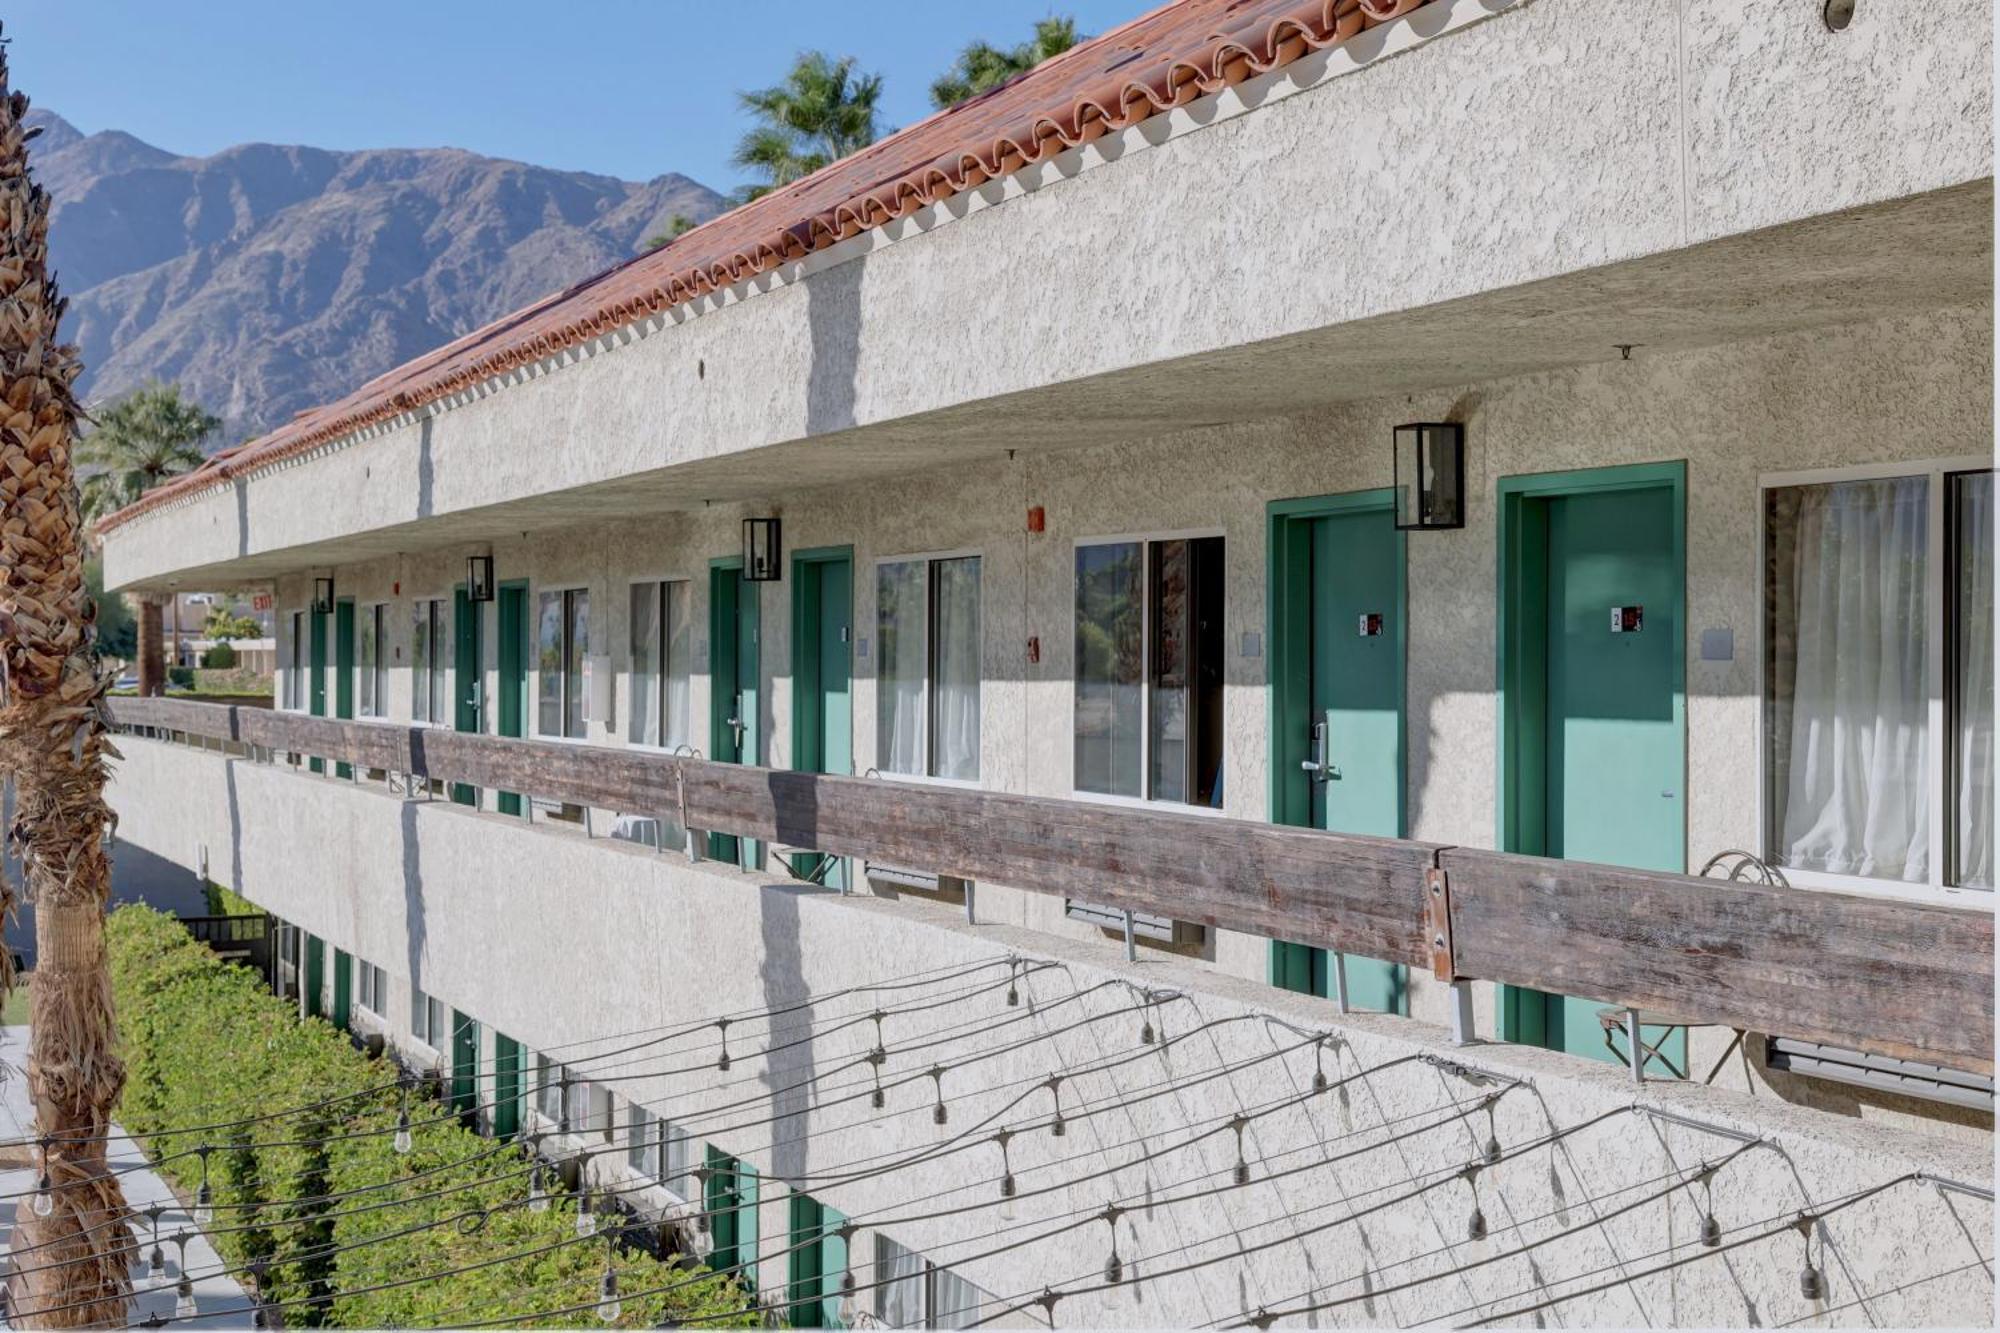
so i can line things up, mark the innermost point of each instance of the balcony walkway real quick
(221, 1301)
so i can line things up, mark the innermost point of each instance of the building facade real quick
(1084, 484)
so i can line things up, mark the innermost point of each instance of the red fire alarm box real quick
(1036, 519)
(1034, 648)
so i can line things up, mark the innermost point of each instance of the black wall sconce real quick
(479, 578)
(762, 550)
(1430, 475)
(323, 596)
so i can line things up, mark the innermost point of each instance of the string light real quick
(156, 1263)
(43, 1203)
(849, 1308)
(402, 1141)
(586, 1221)
(609, 1307)
(184, 1306)
(562, 1111)
(538, 1194)
(204, 1198)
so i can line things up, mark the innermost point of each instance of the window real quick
(927, 688)
(677, 1159)
(1878, 667)
(295, 673)
(427, 1021)
(562, 640)
(603, 1118)
(430, 661)
(548, 1088)
(372, 684)
(1148, 666)
(916, 1293)
(576, 1105)
(662, 662)
(642, 1143)
(373, 984)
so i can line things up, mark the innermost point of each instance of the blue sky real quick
(623, 87)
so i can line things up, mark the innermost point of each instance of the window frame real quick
(372, 620)
(930, 560)
(1145, 542)
(694, 627)
(296, 663)
(1936, 471)
(440, 630)
(535, 595)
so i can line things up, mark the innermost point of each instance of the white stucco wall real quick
(556, 939)
(1556, 138)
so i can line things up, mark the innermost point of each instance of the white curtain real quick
(899, 1301)
(679, 666)
(1850, 732)
(1973, 678)
(955, 703)
(642, 709)
(901, 629)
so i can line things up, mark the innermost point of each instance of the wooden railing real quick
(1908, 980)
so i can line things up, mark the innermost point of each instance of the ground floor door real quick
(343, 670)
(506, 1086)
(734, 706)
(822, 678)
(465, 1069)
(511, 705)
(468, 679)
(818, 1261)
(732, 1210)
(1337, 676)
(1594, 744)
(343, 989)
(315, 996)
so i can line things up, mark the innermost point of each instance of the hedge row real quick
(205, 1043)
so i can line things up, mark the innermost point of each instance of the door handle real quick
(1317, 764)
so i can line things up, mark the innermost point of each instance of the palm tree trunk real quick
(152, 648)
(53, 739)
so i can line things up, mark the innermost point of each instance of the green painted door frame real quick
(818, 1259)
(732, 1208)
(343, 671)
(822, 677)
(506, 1087)
(512, 686)
(467, 680)
(1526, 579)
(465, 1069)
(734, 704)
(315, 976)
(1294, 598)
(343, 988)
(316, 695)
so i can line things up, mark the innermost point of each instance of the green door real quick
(822, 704)
(818, 1258)
(513, 672)
(465, 1069)
(316, 700)
(506, 1086)
(733, 706)
(315, 976)
(732, 1210)
(468, 684)
(343, 671)
(343, 988)
(1338, 635)
(1595, 747)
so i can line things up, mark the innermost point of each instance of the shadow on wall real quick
(833, 317)
(789, 1070)
(137, 876)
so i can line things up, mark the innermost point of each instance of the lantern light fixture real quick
(323, 596)
(762, 550)
(479, 578)
(1430, 476)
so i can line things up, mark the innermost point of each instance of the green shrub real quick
(205, 1042)
(221, 901)
(220, 657)
(181, 676)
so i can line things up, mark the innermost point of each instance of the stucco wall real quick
(559, 940)
(1554, 138)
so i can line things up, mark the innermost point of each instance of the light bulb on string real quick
(204, 1206)
(586, 1221)
(538, 1194)
(156, 1262)
(562, 1111)
(184, 1306)
(44, 1203)
(850, 1308)
(609, 1307)
(402, 1141)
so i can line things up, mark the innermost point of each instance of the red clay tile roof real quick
(1161, 60)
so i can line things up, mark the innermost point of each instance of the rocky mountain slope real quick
(269, 279)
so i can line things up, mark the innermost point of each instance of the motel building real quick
(1118, 710)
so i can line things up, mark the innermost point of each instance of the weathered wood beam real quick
(1909, 980)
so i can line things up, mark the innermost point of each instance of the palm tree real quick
(679, 225)
(53, 743)
(821, 112)
(982, 65)
(141, 440)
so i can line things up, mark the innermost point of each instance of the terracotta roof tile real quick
(1163, 59)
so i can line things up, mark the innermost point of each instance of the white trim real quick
(1934, 471)
(1144, 541)
(1313, 70)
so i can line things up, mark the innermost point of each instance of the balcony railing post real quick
(1339, 961)
(1462, 1033)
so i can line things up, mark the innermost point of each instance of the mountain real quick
(269, 279)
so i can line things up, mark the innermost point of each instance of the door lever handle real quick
(1318, 766)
